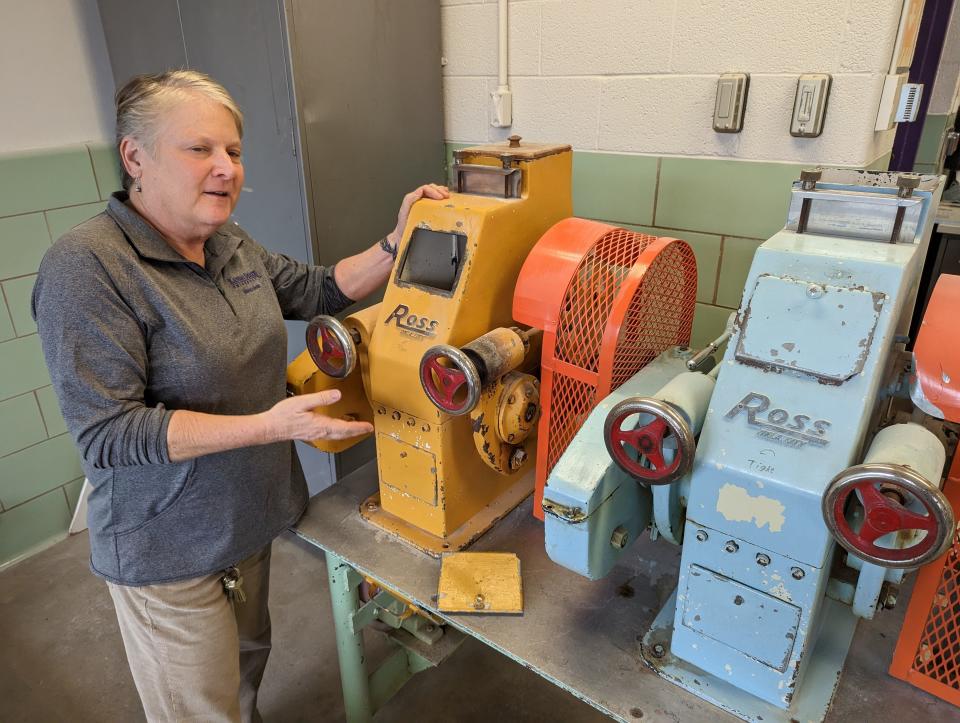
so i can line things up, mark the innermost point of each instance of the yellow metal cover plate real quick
(524, 152)
(480, 582)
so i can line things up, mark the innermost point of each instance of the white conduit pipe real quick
(502, 97)
(504, 37)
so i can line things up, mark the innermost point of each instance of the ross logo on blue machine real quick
(778, 425)
(411, 323)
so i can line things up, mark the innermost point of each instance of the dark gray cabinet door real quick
(368, 85)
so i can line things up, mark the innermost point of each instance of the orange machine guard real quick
(927, 654)
(609, 301)
(936, 352)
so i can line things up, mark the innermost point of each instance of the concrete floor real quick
(62, 658)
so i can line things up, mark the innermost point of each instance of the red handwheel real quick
(885, 491)
(331, 347)
(642, 449)
(450, 379)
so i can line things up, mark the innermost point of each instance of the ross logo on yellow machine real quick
(411, 323)
(778, 425)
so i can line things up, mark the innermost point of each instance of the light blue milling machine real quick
(798, 497)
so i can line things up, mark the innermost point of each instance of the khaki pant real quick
(194, 655)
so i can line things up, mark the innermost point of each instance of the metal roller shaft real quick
(689, 392)
(909, 445)
(497, 352)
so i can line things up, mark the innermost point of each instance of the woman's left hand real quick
(429, 190)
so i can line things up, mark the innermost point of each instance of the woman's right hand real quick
(296, 418)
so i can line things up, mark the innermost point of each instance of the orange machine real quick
(928, 650)
(609, 301)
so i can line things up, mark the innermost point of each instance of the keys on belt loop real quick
(232, 582)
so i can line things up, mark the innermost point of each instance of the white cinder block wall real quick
(639, 76)
(55, 74)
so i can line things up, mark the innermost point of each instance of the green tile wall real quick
(21, 366)
(106, 168)
(50, 408)
(734, 267)
(736, 198)
(928, 152)
(17, 293)
(61, 220)
(21, 424)
(32, 471)
(23, 241)
(42, 195)
(614, 187)
(32, 525)
(6, 325)
(72, 492)
(36, 181)
(708, 323)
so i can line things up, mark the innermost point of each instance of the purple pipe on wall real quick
(926, 60)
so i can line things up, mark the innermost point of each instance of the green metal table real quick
(580, 635)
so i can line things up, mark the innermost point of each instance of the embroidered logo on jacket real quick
(246, 282)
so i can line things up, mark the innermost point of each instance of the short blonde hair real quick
(143, 100)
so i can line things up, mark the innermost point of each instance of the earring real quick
(136, 185)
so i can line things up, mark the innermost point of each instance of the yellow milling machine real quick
(438, 366)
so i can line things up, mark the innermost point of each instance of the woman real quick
(162, 327)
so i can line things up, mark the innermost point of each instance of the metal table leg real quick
(418, 643)
(345, 599)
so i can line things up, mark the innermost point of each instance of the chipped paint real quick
(781, 592)
(570, 514)
(736, 504)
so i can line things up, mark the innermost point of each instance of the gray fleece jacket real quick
(132, 331)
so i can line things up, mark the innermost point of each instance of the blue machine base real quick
(811, 701)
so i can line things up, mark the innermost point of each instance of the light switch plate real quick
(731, 102)
(810, 105)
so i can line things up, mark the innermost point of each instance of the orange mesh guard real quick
(928, 650)
(609, 301)
(936, 353)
